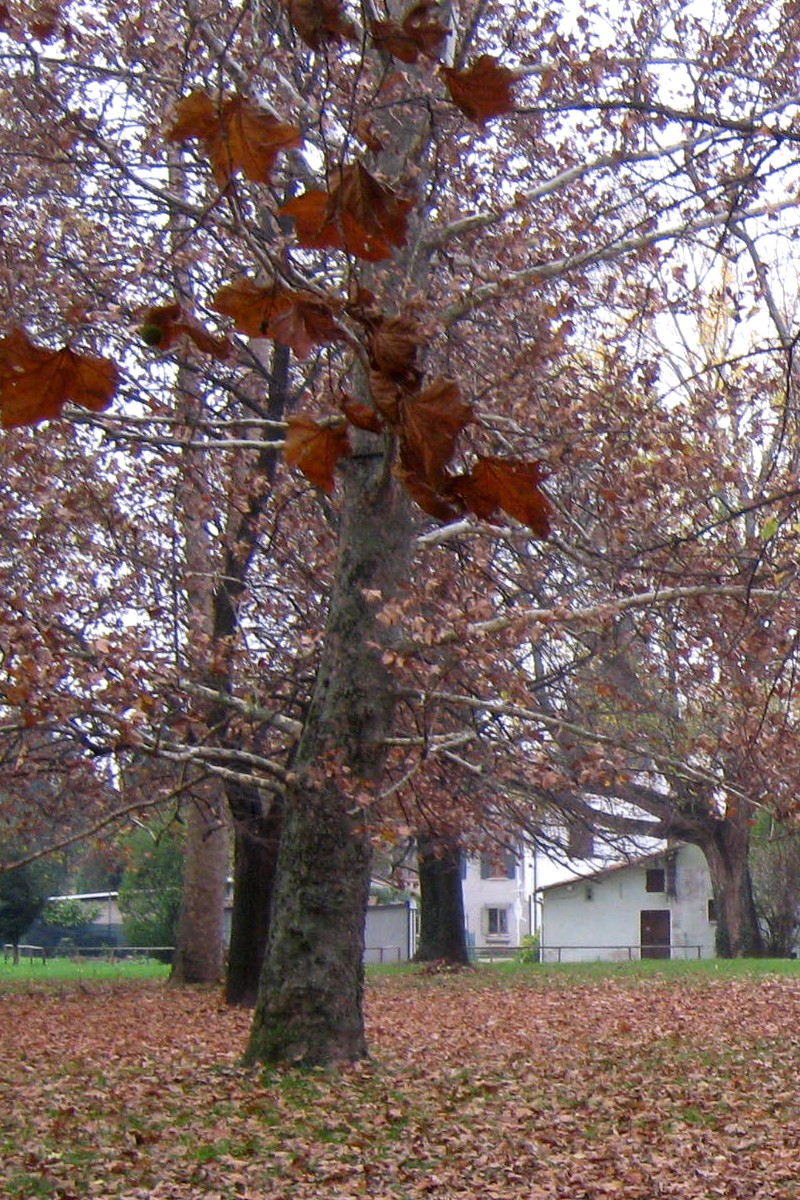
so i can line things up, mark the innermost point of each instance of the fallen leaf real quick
(482, 90)
(36, 382)
(316, 449)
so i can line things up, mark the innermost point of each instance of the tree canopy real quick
(431, 458)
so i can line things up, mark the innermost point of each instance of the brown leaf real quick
(251, 305)
(362, 416)
(359, 214)
(483, 90)
(387, 395)
(316, 449)
(427, 497)
(394, 347)
(373, 215)
(315, 228)
(306, 323)
(430, 423)
(238, 136)
(507, 484)
(300, 320)
(36, 383)
(419, 33)
(320, 22)
(168, 324)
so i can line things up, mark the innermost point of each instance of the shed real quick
(657, 906)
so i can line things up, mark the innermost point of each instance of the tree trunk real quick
(310, 1003)
(442, 933)
(199, 956)
(256, 840)
(727, 853)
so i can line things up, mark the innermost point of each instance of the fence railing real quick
(375, 955)
(18, 952)
(107, 953)
(617, 953)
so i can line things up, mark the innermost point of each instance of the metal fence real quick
(106, 953)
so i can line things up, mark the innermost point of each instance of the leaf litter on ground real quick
(477, 1087)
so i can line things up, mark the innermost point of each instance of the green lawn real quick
(29, 971)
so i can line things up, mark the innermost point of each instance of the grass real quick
(64, 970)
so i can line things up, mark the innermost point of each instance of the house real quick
(103, 922)
(499, 899)
(656, 906)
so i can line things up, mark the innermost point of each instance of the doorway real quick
(655, 932)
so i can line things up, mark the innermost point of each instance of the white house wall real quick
(599, 917)
(513, 896)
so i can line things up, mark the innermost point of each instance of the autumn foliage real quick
(37, 382)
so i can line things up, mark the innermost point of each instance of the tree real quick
(442, 930)
(151, 888)
(23, 896)
(471, 265)
(775, 866)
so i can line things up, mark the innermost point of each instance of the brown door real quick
(655, 932)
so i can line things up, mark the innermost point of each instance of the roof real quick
(598, 875)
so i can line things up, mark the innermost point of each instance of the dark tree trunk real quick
(310, 1008)
(256, 840)
(442, 933)
(727, 853)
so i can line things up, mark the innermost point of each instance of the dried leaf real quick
(305, 324)
(360, 215)
(362, 416)
(168, 324)
(320, 22)
(300, 320)
(419, 33)
(251, 305)
(238, 135)
(394, 348)
(483, 90)
(428, 498)
(36, 383)
(429, 427)
(316, 449)
(507, 484)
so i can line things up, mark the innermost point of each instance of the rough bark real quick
(310, 1004)
(727, 854)
(256, 841)
(442, 933)
(199, 955)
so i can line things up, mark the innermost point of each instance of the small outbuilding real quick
(657, 906)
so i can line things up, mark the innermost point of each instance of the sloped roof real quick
(598, 875)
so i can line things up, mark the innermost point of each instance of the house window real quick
(497, 922)
(502, 865)
(655, 880)
(712, 910)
